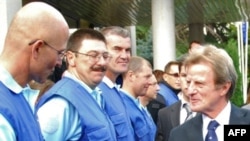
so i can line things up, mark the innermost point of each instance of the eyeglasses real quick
(173, 74)
(95, 56)
(60, 53)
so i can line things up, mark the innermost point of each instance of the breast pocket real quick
(121, 126)
(101, 134)
(142, 133)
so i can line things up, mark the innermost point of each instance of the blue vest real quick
(115, 108)
(18, 113)
(168, 94)
(96, 125)
(144, 126)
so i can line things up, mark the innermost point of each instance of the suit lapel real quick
(196, 127)
(175, 113)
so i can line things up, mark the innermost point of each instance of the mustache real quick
(99, 68)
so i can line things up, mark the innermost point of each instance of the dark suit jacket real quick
(155, 105)
(168, 118)
(192, 129)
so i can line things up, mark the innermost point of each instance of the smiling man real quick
(73, 108)
(211, 81)
(119, 47)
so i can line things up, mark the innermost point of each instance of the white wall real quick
(8, 8)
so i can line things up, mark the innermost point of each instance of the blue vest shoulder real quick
(95, 123)
(18, 113)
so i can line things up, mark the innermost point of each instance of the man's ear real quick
(36, 48)
(70, 57)
(225, 88)
(165, 77)
(131, 75)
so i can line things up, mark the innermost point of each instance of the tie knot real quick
(213, 124)
(98, 97)
(94, 92)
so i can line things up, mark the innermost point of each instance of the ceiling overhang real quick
(138, 12)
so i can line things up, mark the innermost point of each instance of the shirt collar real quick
(110, 83)
(69, 75)
(7, 79)
(29, 94)
(135, 100)
(183, 101)
(224, 115)
(222, 118)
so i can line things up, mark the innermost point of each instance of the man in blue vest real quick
(119, 46)
(34, 45)
(73, 108)
(136, 81)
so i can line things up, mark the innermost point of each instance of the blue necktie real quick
(211, 135)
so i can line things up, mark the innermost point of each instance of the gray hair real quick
(115, 30)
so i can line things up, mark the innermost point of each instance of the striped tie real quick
(98, 98)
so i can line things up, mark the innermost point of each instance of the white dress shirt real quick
(222, 119)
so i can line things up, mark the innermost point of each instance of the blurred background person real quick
(158, 75)
(151, 93)
(177, 113)
(157, 103)
(194, 45)
(170, 86)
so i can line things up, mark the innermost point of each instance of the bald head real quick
(36, 20)
(37, 30)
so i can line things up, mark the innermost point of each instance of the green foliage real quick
(225, 36)
(221, 32)
(144, 43)
(181, 48)
(231, 48)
